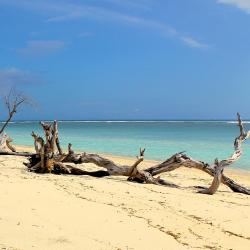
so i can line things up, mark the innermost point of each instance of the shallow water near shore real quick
(203, 140)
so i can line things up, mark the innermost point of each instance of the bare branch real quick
(133, 170)
(216, 170)
(13, 101)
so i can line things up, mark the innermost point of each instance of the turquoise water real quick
(200, 139)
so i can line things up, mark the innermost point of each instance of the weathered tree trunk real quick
(215, 170)
(182, 160)
(49, 158)
(174, 162)
(46, 160)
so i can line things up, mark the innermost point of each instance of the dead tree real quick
(47, 160)
(13, 101)
(176, 161)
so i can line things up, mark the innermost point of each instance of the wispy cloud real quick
(41, 47)
(66, 11)
(164, 30)
(193, 43)
(142, 4)
(241, 4)
(11, 77)
(109, 15)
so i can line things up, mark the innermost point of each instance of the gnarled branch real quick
(13, 101)
(57, 163)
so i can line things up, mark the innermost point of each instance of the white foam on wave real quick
(235, 122)
(149, 121)
(18, 122)
(129, 121)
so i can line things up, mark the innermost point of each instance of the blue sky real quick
(127, 59)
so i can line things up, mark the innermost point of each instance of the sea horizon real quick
(126, 120)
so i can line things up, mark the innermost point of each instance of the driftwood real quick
(5, 143)
(49, 158)
(174, 162)
(132, 172)
(215, 170)
(47, 161)
(26, 154)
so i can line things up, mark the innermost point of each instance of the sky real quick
(127, 59)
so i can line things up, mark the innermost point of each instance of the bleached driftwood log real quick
(215, 170)
(174, 162)
(132, 172)
(47, 161)
(5, 143)
(49, 154)
(49, 158)
(46, 149)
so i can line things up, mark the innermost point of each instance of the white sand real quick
(81, 212)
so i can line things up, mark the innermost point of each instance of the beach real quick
(46, 211)
(124, 125)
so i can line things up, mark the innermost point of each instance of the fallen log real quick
(182, 160)
(49, 158)
(215, 170)
(25, 154)
(174, 162)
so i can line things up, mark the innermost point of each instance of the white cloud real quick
(109, 15)
(142, 4)
(10, 77)
(66, 11)
(41, 47)
(241, 4)
(193, 43)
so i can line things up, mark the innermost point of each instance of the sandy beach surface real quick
(45, 211)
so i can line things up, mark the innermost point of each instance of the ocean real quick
(203, 140)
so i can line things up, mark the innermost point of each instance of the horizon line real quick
(126, 120)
